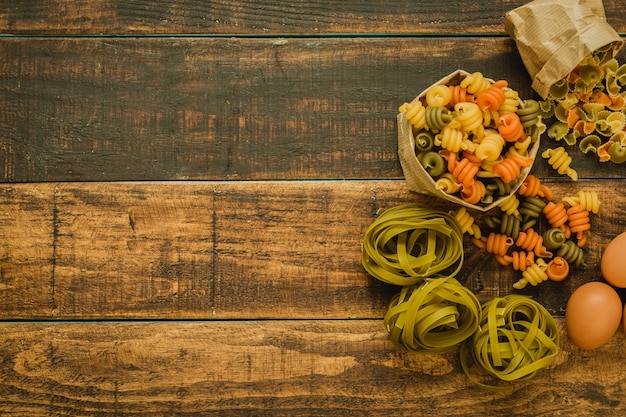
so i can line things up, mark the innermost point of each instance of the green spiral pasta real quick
(517, 337)
(554, 238)
(433, 317)
(410, 242)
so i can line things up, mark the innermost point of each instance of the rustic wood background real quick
(184, 190)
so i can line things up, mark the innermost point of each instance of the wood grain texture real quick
(262, 17)
(225, 109)
(230, 250)
(276, 368)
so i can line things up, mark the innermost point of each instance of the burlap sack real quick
(553, 36)
(416, 177)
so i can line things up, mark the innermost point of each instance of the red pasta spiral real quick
(496, 243)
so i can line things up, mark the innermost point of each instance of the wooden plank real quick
(106, 110)
(223, 250)
(27, 253)
(276, 368)
(260, 17)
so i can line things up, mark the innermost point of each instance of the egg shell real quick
(593, 315)
(612, 263)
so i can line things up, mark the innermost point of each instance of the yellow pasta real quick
(415, 113)
(466, 222)
(490, 147)
(475, 83)
(588, 200)
(470, 117)
(438, 96)
(560, 160)
(447, 183)
(533, 275)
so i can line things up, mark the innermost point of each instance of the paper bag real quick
(553, 36)
(420, 181)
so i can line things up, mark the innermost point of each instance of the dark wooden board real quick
(276, 368)
(264, 17)
(225, 109)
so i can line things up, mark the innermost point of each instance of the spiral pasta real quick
(415, 113)
(438, 96)
(470, 117)
(588, 200)
(459, 95)
(408, 243)
(560, 160)
(510, 168)
(492, 97)
(532, 186)
(558, 269)
(572, 253)
(496, 243)
(534, 274)
(510, 127)
(466, 222)
(531, 240)
(555, 213)
(475, 83)
(519, 260)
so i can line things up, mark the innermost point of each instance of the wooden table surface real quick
(185, 188)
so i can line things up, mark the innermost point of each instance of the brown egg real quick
(592, 315)
(612, 264)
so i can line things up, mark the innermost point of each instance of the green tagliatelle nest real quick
(433, 317)
(409, 243)
(517, 337)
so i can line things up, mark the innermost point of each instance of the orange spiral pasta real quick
(493, 97)
(578, 219)
(465, 172)
(459, 95)
(473, 193)
(531, 240)
(535, 274)
(496, 243)
(510, 127)
(519, 260)
(558, 269)
(510, 168)
(532, 187)
(555, 213)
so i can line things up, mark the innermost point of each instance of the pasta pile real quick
(587, 107)
(517, 337)
(475, 137)
(409, 243)
(434, 317)
(421, 250)
(514, 240)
